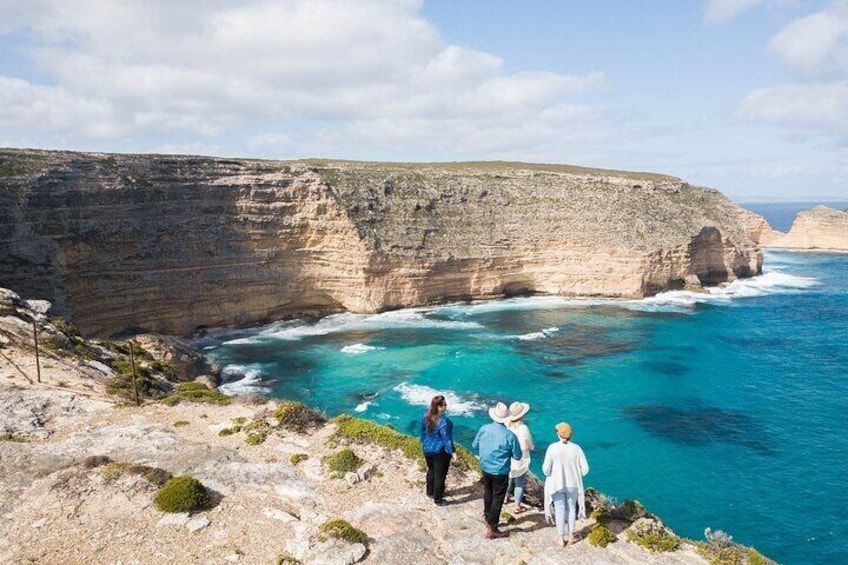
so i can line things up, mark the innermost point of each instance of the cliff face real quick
(820, 228)
(170, 244)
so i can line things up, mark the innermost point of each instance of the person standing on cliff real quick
(437, 442)
(564, 467)
(519, 469)
(496, 446)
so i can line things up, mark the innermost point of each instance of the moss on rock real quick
(343, 530)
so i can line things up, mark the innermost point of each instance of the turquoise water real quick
(727, 410)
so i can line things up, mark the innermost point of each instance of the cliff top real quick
(80, 474)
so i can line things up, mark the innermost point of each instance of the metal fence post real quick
(37, 358)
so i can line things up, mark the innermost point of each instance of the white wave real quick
(408, 318)
(420, 395)
(519, 303)
(547, 332)
(363, 406)
(360, 348)
(241, 379)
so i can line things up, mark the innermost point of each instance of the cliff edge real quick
(172, 244)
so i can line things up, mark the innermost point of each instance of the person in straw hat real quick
(564, 467)
(520, 468)
(496, 446)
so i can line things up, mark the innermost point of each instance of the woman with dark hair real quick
(437, 441)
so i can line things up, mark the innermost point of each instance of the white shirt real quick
(519, 467)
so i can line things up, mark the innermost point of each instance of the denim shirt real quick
(440, 439)
(497, 445)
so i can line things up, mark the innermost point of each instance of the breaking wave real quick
(241, 379)
(420, 395)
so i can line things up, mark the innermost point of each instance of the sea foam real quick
(360, 348)
(241, 379)
(547, 332)
(421, 395)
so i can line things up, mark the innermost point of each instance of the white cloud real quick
(720, 11)
(259, 74)
(801, 106)
(815, 43)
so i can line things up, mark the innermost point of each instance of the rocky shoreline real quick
(77, 468)
(818, 229)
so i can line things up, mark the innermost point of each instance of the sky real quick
(746, 96)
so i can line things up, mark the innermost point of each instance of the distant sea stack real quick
(821, 228)
(172, 244)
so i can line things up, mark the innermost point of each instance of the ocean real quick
(726, 410)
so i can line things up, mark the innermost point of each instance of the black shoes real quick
(441, 502)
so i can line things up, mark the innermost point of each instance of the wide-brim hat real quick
(563, 430)
(500, 413)
(518, 410)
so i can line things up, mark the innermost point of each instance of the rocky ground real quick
(58, 505)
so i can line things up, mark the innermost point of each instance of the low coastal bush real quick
(287, 559)
(257, 431)
(653, 535)
(229, 431)
(298, 417)
(720, 549)
(629, 511)
(601, 536)
(153, 475)
(341, 529)
(93, 461)
(182, 494)
(180, 423)
(9, 436)
(297, 459)
(345, 461)
(196, 392)
(364, 431)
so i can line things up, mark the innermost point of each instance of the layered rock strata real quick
(172, 244)
(821, 228)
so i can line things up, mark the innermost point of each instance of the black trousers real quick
(437, 472)
(494, 492)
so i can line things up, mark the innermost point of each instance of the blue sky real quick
(747, 96)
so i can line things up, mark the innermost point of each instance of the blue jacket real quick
(440, 439)
(497, 445)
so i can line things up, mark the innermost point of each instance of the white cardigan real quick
(525, 440)
(564, 467)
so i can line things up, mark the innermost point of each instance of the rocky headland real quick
(173, 244)
(819, 229)
(82, 468)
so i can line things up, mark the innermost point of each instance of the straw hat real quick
(563, 430)
(499, 413)
(518, 410)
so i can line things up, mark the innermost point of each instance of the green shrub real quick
(345, 461)
(364, 431)
(601, 535)
(720, 549)
(180, 423)
(629, 510)
(95, 461)
(166, 370)
(298, 417)
(341, 529)
(651, 534)
(122, 385)
(9, 436)
(196, 392)
(297, 459)
(229, 431)
(286, 559)
(182, 494)
(257, 431)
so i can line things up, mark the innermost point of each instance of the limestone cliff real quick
(820, 228)
(174, 243)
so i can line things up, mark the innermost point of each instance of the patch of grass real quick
(240, 420)
(343, 530)
(182, 494)
(180, 423)
(153, 475)
(196, 392)
(298, 417)
(345, 461)
(297, 459)
(229, 431)
(652, 535)
(720, 549)
(9, 436)
(287, 559)
(364, 431)
(257, 431)
(601, 536)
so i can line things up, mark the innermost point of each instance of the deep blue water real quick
(727, 410)
(780, 215)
